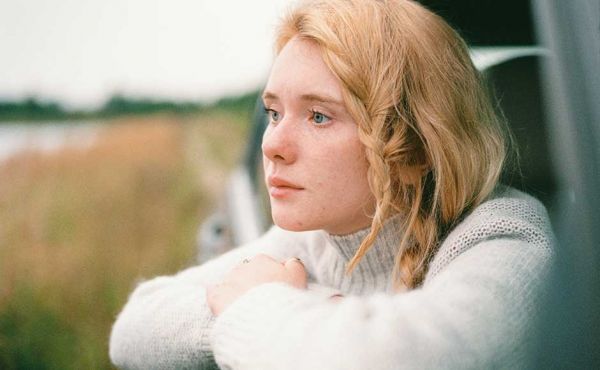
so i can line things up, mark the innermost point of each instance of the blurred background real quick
(121, 121)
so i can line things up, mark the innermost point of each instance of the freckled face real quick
(314, 163)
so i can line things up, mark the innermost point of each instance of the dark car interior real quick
(517, 89)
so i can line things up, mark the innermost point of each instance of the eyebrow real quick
(267, 95)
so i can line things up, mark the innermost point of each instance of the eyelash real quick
(315, 112)
(269, 112)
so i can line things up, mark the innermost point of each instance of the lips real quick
(280, 188)
(279, 182)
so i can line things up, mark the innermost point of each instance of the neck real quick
(378, 263)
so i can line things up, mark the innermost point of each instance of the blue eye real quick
(320, 118)
(274, 116)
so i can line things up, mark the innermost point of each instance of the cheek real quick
(346, 174)
(354, 161)
(358, 171)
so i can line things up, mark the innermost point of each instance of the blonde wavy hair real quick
(433, 141)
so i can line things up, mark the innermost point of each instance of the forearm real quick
(166, 322)
(165, 325)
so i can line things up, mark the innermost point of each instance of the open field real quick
(79, 226)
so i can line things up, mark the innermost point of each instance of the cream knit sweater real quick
(476, 308)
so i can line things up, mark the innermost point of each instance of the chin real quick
(294, 223)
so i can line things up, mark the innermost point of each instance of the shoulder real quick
(508, 215)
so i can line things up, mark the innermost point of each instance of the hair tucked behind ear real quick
(434, 145)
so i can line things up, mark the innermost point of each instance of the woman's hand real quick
(249, 273)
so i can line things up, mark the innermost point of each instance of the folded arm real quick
(166, 322)
(476, 313)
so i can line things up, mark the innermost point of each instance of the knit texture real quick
(477, 307)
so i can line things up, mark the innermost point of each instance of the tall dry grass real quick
(78, 228)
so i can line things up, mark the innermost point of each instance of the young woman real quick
(394, 245)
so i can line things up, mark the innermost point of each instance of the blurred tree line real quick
(32, 109)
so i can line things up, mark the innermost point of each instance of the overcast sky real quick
(82, 51)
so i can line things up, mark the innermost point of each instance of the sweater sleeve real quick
(166, 322)
(476, 313)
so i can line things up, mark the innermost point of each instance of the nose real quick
(279, 144)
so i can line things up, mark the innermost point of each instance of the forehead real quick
(299, 69)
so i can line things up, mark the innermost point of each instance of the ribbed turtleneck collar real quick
(379, 260)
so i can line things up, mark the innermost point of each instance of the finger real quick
(264, 258)
(297, 270)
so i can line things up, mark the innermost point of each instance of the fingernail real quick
(297, 259)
